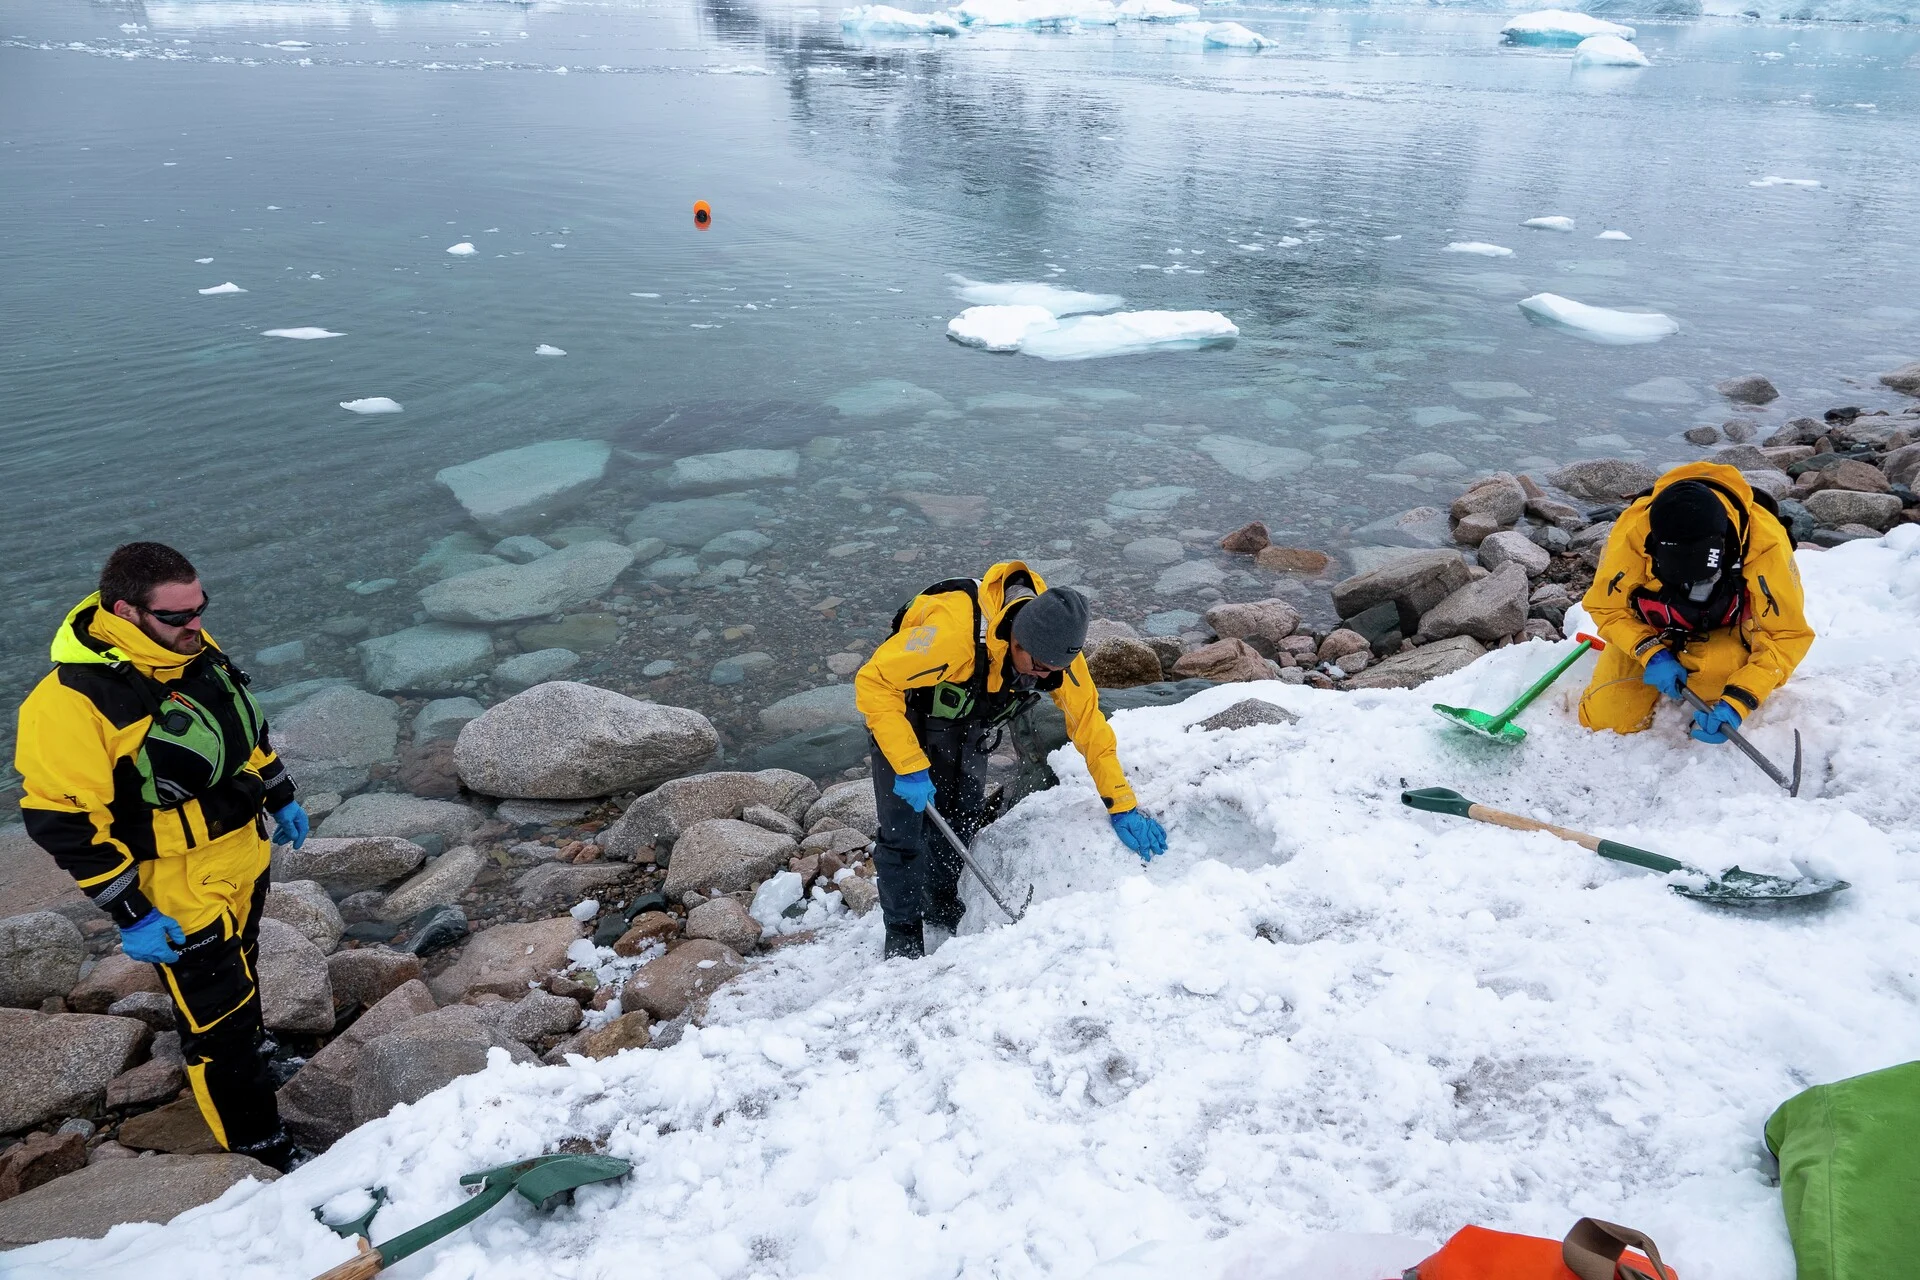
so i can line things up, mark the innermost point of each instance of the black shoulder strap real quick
(969, 587)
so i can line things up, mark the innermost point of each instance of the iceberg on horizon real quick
(1598, 324)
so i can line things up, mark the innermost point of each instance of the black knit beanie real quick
(1052, 626)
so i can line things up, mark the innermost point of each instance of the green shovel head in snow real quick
(1499, 728)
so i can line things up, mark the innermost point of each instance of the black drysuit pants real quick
(919, 870)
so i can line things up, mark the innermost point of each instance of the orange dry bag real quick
(1593, 1250)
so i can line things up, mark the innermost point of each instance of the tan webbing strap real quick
(1592, 1252)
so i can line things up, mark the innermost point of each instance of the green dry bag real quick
(1850, 1175)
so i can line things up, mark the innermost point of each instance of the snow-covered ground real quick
(1319, 1013)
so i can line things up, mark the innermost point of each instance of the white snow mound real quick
(1560, 26)
(1325, 1029)
(1608, 51)
(1598, 324)
(1480, 247)
(371, 404)
(882, 19)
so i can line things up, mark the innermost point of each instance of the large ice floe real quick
(1219, 35)
(1608, 51)
(1560, 26)
(1598, 324)
(1318, 1020)
(881, 19)
(1047, 321)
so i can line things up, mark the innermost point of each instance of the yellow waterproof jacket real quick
(1773, 627)
(935, 643)
(110, 793)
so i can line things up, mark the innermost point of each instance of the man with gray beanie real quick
(966, 656)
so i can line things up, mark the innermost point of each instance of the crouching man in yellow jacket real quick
(147, 770)
(1697, 588)
(966, 656)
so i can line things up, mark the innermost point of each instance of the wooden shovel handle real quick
(362, 1266)
(1514, 822)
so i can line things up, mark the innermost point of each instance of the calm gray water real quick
(325, 155)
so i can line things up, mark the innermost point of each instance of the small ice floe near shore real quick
(1608, 51)
(304, 334)
(1768, 181)
(1035, 331)
(228, 287)
(1027, 293)
(1560, 26)
(1598, 324)
(463, 249)
(1480, 247)
(371, 404)
(1554, 222)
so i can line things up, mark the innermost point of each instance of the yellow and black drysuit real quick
(146, 772)
(1747, 646)
(934, 695)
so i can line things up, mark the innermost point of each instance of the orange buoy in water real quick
(702, 214)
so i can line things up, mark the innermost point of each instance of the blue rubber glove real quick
(1712, 724)
(290, 824)
(916, 789)
(148, 938)
(1665, 673)
(1139, 833)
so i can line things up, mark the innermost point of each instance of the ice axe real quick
(1731, 888)
(966, 856)
(1790, 785)
(1501, 728)
(541, 1180)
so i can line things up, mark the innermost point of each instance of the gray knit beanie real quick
(1052, 626)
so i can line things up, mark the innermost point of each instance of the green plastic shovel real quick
(1501, 728)
(542, 1180)
(1731, 888)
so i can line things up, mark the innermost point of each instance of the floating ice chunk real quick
(1768, 181)
(1036, 13)
(545, 349)
(888, 20)
(1556, 222)
(1598, 324)
(643, 295)
(371, 404)
(1608, 51)
(290, 44)
(462, 249)
(304, 335)
(1022, 293)
(1130, 333)
(203, 261)
(1480, 247)
(1219, 35)
(1156, 10)
(1613, 235)
(999, 327)
(228, 287)
(1559, 26)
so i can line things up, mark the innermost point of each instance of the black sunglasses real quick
(180, 617)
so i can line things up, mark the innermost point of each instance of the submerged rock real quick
(520, 490)
(513, 592)
(330, 741)
(429, 659)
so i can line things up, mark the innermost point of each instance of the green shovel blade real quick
(1737, 888)
(1490, 727)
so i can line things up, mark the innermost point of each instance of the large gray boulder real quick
(348, 864)
(1834, 507)
(442, 880)
(1415, 582)
(365, 976)
(1417, 666)
(724, 921)
(304, 904)
(1605, 479)
(660, 816)
(329, 741)
(1512, 546)
(812, 709)
(512, 592)
(1271, 620)
(317, 1104)
(1906, 378)
(694, 522)
(849, 803)
(40, 956)
(691, 971)
(568, 741)
(57, 1064)
(295, 992)
(428, 659)
(88, 1202)
(568, 882)
(419, 1056)
(536, 1015)
(387, 813)
(1499, 499)
(506, 959)
(721, 855)
(1493, 607)
(520, 490)
(113, 978)
(734, 469)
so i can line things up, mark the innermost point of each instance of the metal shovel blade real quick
(1736, 888)
(1490, 727)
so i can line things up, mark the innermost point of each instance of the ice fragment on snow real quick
(1022, 293)
(585, 910)
(545, 349)
(888, 20)
(1554, 222)
(371, 404)
(228, 287)
(303, 334)
(462, 249)
(1608, 51)
(1480, 247)
(1559, 26)
(1598, 324)
(1768, 181)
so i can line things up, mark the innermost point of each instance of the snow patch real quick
(1608, 51)
(1480, 247)
(1598, 324)
(371, 404)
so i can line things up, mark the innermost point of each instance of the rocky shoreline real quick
(575, 870)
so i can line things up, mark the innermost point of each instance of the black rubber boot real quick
(277, 1152)
(905, 941)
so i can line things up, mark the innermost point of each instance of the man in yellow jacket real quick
(1696, 589)
(147, 770)
(966, 657)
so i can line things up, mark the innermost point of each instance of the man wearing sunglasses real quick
(1696, 589)
(965, 658)
(148, 772)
